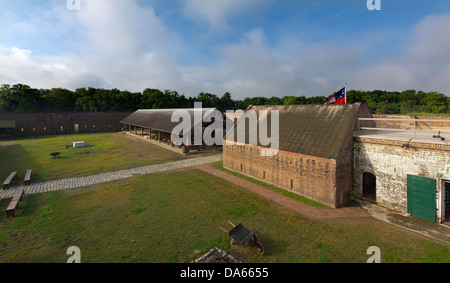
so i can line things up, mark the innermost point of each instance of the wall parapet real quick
(414, 144)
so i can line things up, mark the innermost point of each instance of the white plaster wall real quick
(391, 164)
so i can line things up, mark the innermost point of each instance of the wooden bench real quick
(27, 178)
(9, 180)
(14, 204)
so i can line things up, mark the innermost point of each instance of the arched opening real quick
(369, 186)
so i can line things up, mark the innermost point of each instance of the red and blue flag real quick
(338, 97)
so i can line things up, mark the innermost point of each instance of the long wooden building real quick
(157, 124)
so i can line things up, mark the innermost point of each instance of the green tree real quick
(208, 99)
(58, 99)
(434, 102)
(153, 99)
(85, 99)
(290, 100)
(7, 102)
(21, 98)
(226, 103)
(408, 106)
(382, 107)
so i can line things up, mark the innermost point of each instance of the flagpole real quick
(345, 93)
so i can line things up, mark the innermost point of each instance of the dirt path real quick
(302, 208)
(3, 147)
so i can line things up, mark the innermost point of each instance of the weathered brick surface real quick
(312, 177)
(327, 179)
(344, 173)
(391, 164)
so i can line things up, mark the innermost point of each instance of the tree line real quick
(23, 98)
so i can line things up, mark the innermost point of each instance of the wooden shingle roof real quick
(315, 130)
(158, 119)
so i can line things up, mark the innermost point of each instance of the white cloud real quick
(424, 64)
(217, 12)
(251, 68)
(385, 75)
(431, 40)
(21, 66)
(120, 44)
(117, 43)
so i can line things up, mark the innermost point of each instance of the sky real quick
(248, 48)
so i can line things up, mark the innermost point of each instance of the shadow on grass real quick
(28, 206)
(16, 159)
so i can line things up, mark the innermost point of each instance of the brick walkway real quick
(300, 207)
(79, 182)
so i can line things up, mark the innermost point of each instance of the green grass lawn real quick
(109, 152)
(219, 165)
(175, 217)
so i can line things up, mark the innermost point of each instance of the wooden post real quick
(415, 127)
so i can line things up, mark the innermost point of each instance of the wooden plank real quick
(403, 120)
(19, 193)
(11, 210)
(27, 179)
(8, 180)
(14, 204)
(386, 129)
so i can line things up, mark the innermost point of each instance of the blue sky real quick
(245, 47)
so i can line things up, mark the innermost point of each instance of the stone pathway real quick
(438, 232)
(79, 182)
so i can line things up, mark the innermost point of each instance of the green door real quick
(422, 197)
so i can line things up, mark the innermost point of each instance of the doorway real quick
(421, 197)
(369, 186)
(447, 202)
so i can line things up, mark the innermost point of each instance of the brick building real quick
(315, 151)
(405, 171)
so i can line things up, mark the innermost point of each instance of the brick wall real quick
(312, 177)
(327, 180)
(64, 122)
(344, 174)
(391, 164)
